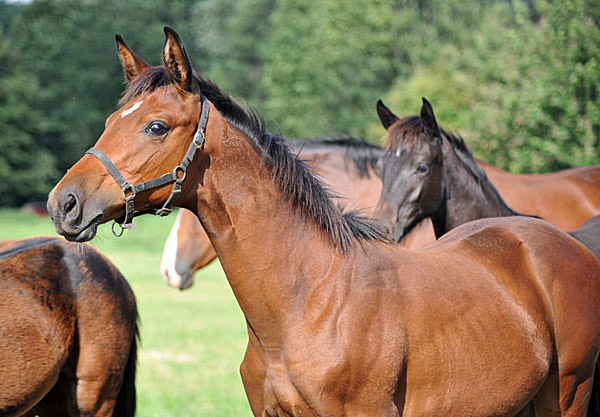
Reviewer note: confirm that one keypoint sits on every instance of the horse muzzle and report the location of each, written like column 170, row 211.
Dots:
column 70, row 217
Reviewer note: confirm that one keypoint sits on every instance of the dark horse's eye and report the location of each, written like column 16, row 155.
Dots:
column 422, row 168
column 156, row 129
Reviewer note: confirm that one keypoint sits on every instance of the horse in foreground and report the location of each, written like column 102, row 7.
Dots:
column 68, row 326
column 500, row 317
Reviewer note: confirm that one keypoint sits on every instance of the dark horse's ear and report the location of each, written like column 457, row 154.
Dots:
column 428, row 119
column 385, row 115
column 177, row 62
column 133, row 65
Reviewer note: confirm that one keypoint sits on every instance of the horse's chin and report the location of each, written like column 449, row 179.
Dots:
column 84, row 234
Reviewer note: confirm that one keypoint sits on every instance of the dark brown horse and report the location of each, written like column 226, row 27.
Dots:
column 413, row 164
column 500, row 317
column 68, row 326
column 430, row 173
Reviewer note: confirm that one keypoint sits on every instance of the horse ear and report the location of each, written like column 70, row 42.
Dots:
column 133, row 65
column 176, row 60
column 385, row 115
column 428, row 119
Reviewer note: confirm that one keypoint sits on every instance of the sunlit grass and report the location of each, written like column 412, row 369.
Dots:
column 192, row 341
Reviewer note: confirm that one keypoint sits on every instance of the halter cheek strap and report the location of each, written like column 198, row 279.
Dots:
column 176, row 176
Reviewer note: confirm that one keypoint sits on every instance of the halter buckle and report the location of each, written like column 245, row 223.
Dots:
column 202, row 138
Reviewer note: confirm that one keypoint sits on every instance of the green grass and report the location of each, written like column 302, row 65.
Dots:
column 192, row 341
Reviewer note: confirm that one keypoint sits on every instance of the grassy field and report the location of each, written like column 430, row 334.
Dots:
column 192, row 341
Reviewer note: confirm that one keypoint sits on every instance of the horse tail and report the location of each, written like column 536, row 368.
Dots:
column 594, row 403
column 126, row 403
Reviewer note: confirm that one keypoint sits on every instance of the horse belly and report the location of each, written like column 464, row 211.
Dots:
column 484, row 388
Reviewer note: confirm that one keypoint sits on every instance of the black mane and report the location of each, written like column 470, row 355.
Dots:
column 357, row 151
column 296, row 180
column 468, row 160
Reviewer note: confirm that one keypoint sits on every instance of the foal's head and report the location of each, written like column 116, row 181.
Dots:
column 411, row 169
column 146, row 137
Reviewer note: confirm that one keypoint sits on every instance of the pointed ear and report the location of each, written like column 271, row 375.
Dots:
column 133, row 65
column 385, row 115
column 428, row 119
column 177, row 62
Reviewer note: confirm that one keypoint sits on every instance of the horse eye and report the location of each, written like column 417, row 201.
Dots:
column 422, row 168
column 156, row 129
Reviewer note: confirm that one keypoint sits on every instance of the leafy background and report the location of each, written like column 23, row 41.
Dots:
column 518, row 79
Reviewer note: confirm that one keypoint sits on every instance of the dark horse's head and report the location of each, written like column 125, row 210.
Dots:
column 411, row 169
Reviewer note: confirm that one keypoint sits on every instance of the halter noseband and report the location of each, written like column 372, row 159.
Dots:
column 130, row 190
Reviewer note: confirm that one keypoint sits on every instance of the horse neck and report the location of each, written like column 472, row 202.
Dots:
column 264, row 244
column 468, row 194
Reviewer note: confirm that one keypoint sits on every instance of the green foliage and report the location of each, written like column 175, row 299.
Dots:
column 26, row 169
column 231, row 32
column 518, row 79
column 524, row 95
column 8, row 13
column 325, row 64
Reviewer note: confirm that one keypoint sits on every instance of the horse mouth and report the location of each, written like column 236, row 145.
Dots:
column 86, row 233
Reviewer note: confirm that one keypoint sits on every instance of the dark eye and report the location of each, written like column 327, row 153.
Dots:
column 422, row 168
column 156, row 128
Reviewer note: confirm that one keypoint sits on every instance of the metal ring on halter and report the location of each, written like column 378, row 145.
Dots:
column 113, row 229
column 199, row 143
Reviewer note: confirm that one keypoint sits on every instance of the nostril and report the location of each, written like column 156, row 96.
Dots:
column 71, row 208
column 69, row 203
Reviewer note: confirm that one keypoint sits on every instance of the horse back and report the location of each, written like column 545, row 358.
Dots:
column 525, row 252
column 565, row 198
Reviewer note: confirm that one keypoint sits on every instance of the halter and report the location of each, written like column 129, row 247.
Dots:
column 130, row 190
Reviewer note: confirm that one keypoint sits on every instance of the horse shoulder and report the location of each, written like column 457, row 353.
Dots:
column 354, row 329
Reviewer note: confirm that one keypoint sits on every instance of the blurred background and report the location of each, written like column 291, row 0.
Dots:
column 518, row 79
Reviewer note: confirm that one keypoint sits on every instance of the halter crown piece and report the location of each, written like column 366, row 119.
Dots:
column 130, row 190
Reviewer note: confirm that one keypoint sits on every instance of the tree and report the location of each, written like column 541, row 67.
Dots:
column 26, row 169
column 524, row 95
column 326, row 63
column 229, row 38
